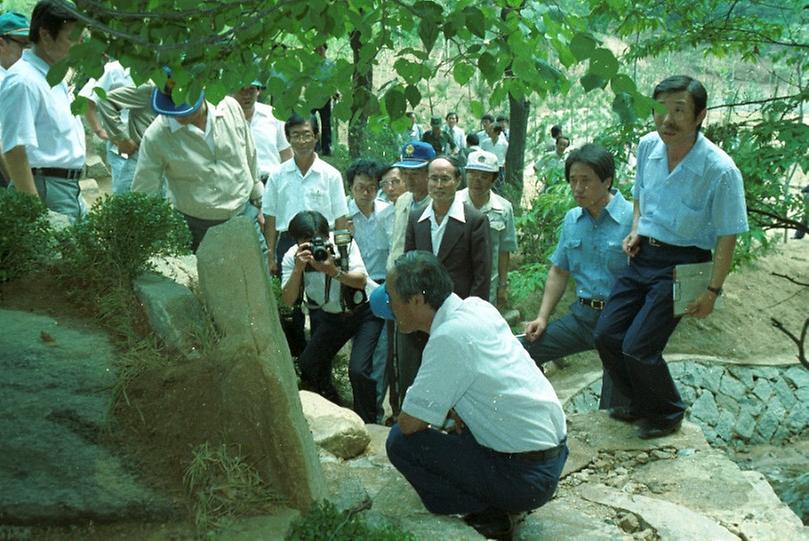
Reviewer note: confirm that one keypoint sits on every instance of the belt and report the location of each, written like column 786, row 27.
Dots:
column 538, row 456
column 595, row 304
column 69, row 174
column 654, row 243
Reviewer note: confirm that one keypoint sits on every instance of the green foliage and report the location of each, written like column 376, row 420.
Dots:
column 26, row 238
column 114, row 244
column 283, row 309
column 224, row 487
column 538, row 232
column 323, row 522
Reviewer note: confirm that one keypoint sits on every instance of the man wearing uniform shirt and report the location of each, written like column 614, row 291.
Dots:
column 481, row 173
column 589, row 249
column 334, row 322
column 43, row 142
column 272, row 147
column 481, row 432
column 689, row 199
column 122, row 165
column 372, row 225
column 13, row 40
column 456, row 131
column 207, row 156
column 126, row 113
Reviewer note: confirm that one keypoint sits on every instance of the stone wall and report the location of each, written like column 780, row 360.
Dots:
column 735, row 405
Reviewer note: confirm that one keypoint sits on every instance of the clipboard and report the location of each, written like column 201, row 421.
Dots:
column 689, row 282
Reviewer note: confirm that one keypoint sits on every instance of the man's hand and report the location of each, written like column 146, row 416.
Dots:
column 101, row 133
column 459, row 424
column 273, row 265
column 535, row 329
column 631, row 244
column 702, row 305
column 127, row 146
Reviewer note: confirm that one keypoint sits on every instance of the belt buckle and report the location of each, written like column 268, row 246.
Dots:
column 597, row 304
column 654, row 242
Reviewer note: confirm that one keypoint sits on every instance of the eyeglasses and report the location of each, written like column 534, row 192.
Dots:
column 389, row 183
column 444, row 179
column 23, row 43
column 364, row 189
column 302, row 137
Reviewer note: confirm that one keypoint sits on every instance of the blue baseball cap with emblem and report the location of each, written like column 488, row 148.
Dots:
column 380, row 303
column 415, row 154
column 13, row 24
column 163, row 104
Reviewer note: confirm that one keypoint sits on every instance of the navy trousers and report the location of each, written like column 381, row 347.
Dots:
column 454, row 474
column 635, row 326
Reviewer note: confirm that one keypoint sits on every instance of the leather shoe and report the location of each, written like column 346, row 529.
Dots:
column 623, row 413
column 648, row 431
column 492, row 524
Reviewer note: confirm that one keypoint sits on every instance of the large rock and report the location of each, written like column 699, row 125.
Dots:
column 338, row 430
column 96, row 168
column 182, row 269
column 174, row 312
column 237, row 292
column 55, row 398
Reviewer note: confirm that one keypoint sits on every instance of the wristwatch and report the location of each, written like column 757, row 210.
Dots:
column 715, row 290
column 338, row 275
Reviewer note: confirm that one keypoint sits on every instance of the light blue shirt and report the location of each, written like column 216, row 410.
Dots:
column 590, row 249
column 373, row 236
column 700, row 200
column 474, row 364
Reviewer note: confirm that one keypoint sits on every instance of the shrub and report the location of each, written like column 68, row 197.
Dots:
column 26, row 239
column 114, row 244
column 324, row 522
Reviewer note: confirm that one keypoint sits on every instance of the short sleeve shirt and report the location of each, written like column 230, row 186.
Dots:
column 590, row 249
column 289, row 192
column 475, row 365
column 268, row 134
column 700, row 200
column 373, row 235
column 37, row 116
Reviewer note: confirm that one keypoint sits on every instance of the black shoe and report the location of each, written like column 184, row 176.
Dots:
column 623, row 413
column 648, row 431
column 492, row 524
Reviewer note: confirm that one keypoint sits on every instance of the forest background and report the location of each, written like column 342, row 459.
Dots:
column 588, row 65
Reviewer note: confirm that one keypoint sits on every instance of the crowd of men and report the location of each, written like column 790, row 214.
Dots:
column 412, row 263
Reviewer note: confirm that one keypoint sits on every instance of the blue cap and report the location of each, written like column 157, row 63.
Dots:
column 380, row 303
column 415, row 154
column 13, row 24
column 162, row 104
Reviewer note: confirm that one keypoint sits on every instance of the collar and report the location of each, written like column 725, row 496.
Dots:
column 495, row 202
column 36, row 61
column 379, row 206
column 615, row 209
column 694, row 160
column 455, row 211
column 450, row 305
column 290, row 166
column 213, row 111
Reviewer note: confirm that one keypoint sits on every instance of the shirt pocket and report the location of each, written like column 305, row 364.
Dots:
column 497, row 223
column 616, row 260
column 575, row 255
column 318, row 199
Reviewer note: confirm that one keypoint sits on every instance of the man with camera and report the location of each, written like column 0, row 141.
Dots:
column 337, row 288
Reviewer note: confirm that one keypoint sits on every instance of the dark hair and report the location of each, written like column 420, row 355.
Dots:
column 419, row 272
column 297, row 120
column 409, row 114
column 598, row 158
column 501, row 118
column 306, row 224
column 556, row 131
column 369, row 168
column 50, row 16
column 678, row 83
column 497, row 128
column 472, row 139
column 384, row 170
column 488, row 117
column 565, row 137
column 451, row 113
column 453, row 161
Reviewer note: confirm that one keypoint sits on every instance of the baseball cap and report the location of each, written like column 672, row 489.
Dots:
column 435, row 121
column 380, row 303
column 415, row 154
column 162, row 103
column 480, row 160
column 13, row 24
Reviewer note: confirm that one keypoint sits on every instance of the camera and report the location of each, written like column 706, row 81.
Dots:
column 320, row 248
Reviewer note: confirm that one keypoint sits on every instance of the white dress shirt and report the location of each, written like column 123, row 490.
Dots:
column 437, row 230
column 269, row 137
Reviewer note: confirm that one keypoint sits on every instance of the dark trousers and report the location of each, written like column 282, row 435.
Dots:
column 200, row 226
column 635, row 326
column 294, row 328
column 330, row 332
column 453, row 473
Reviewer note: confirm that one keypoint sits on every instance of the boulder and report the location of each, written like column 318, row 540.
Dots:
column 174, row 312
column 337, row 430
column 58, row 221
column 236, row 290
column 182, row 269
column 96, row 168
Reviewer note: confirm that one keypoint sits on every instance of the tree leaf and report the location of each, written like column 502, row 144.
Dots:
column 603, row 63
column 57, row 73
column 622, row 83
column 623, row 104
column 395, row 104
column 428, row 32
column 477, row 108
column 462, row 73
column 591, row 81
column 475, row 21
column 413, row 95
column 487, row 64
column 582, row 46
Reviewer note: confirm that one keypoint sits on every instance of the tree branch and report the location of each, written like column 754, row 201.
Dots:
column 781, row 220
column 791, row 279
column 755, row 102
column 798, row 341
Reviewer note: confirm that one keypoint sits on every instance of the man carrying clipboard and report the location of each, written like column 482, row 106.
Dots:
column 688, row 200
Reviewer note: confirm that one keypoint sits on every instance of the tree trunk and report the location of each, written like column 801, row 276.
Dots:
column 363, row 82
column 515, row 157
